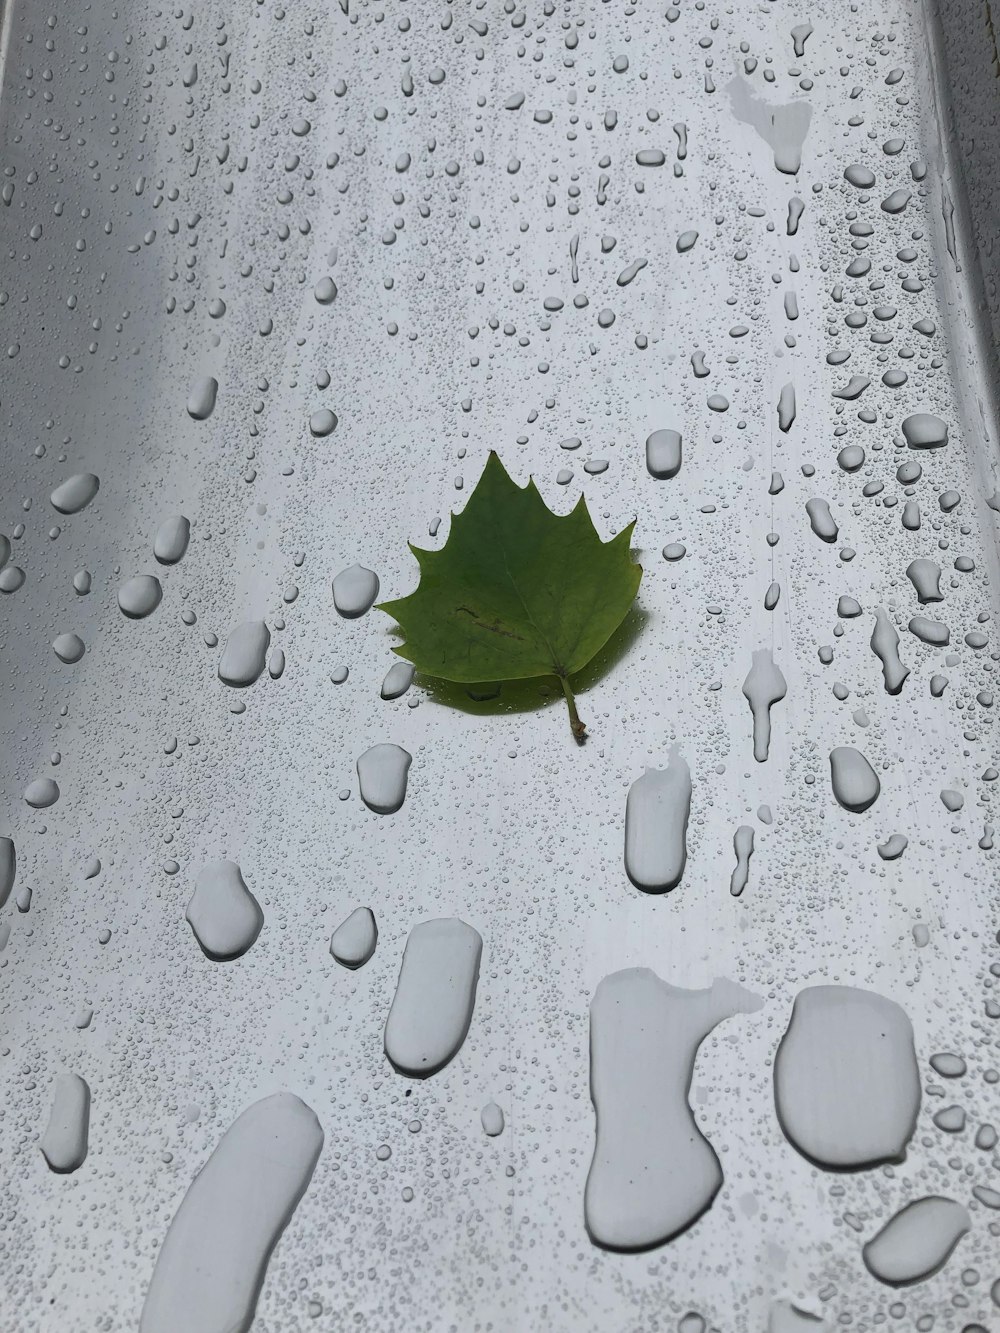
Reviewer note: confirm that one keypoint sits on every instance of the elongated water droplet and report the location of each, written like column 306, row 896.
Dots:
column 764, row 686
column 786, row 407
column 8, row 868
column 213, row 1260
column 139, row 596
column 75, row 493
column 64, row 1143
column 656, row 818
column 435, row 996
column 917, row 1242
column 201, row 400
column 245, row 654
column 171, row 540
column 743, row 847
column 885, row 646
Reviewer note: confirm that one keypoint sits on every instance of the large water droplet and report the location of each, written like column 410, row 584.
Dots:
column 225, row 916
column 245, row 654
column 213, row 1260
column 354, row 940
column 435, row 996
column 656, row 818
column 201, row 401
column 64, row 1143
column 917, row 1242
column 171, row 540
column 139, row 596
column 653, row 1171
column 75, row 493
column 354, row 591
column 382, row 774
column 846, row 1082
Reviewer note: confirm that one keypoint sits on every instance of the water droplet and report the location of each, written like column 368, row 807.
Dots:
column 854, row 781
column 491, row 1118
column 64, row 1143
column 245, row 654
column 846, row 1083
column 41, row 793
column 213, row 1260
column 653, row 1172
column 916, row 1242
column 398, row 680
column 225, row 916
column 140, row 596
column 435, row 996
column 354, row 591
column 923, row 430
column 171, row 540
column 354, row 940
column 382, row 773
column 656, row 818
column 201, row 401
column 663, row 453
column 68, row 648
column 75, row 493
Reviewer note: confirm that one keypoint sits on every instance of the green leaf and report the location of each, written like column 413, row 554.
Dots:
column 516, row 591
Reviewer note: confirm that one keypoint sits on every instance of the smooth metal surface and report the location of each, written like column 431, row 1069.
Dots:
column 137, row 194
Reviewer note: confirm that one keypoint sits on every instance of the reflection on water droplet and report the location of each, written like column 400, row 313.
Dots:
column 653, row 1172
column 846, row 1083
column 435, row 996
column 213, row 1260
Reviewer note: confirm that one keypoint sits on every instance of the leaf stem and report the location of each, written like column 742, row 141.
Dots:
column 578, row 728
